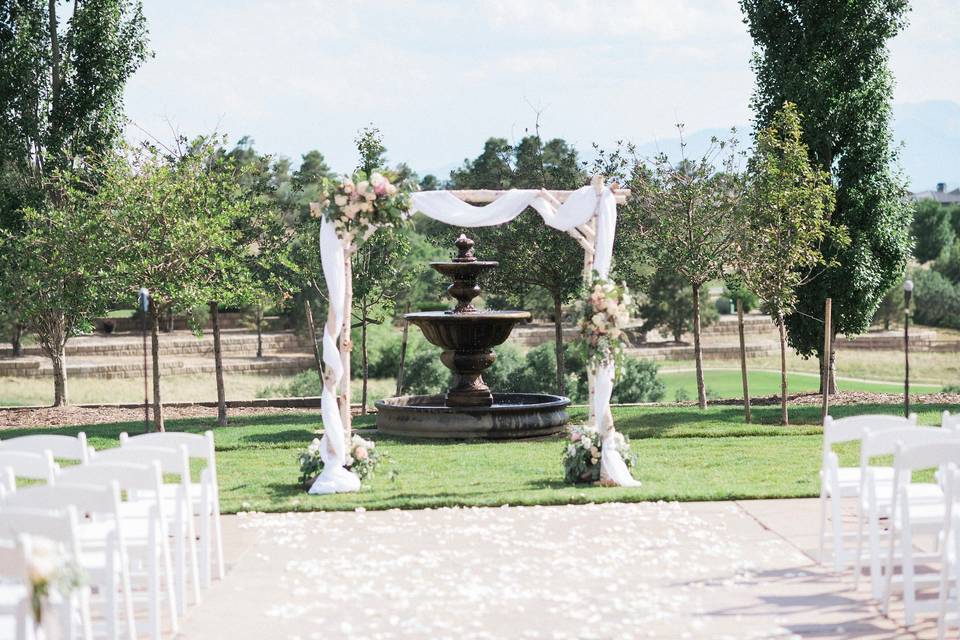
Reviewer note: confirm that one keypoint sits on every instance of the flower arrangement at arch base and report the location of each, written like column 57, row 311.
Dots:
column 604, row 317
column 363, row 458
column 581, row 457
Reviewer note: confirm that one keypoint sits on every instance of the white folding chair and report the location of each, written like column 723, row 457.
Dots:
column 59, row 528
column 204, row 497
column 8, row 482
column 15, row 616
column 145, row 529
column 950, row 549
column 911, row 518
column 172, row 461
column 30, row 466
column 876, row 488
column 62, row 447
column 103, row 548
column 838, row 482
column 951, row 422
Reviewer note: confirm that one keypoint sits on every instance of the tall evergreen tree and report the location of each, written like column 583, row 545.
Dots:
column 830, row 58
column 61, row 96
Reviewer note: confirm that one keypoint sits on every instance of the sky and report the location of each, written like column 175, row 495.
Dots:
column 439, row 77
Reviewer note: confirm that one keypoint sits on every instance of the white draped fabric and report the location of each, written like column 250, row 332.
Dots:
column 578, row 209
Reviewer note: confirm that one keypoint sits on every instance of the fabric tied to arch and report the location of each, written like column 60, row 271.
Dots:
column 580, row 206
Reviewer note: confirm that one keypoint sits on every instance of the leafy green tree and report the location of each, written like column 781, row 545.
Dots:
column 64, row 265
column 668, row 305
column 174, row 219
column 531, row 254
column 61, row 96
column 890, row 309
column 948, row 264
column 786, row 218
column 689, row 212
column 831, row 60
column 931, row 229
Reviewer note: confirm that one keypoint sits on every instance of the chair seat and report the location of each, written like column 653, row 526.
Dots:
column 849, row 479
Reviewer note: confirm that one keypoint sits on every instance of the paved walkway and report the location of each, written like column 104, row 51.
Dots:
column 696, row 570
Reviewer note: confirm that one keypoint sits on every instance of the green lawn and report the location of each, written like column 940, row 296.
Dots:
column 684, row 454
column 726, row 384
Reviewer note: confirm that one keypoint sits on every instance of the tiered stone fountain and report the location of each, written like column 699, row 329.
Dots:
column 467, row 336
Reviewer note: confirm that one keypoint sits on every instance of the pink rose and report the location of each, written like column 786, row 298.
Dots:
column 360, row 453
column 575, row 436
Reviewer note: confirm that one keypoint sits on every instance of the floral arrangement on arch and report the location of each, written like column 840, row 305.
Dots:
column 362, row 458
column 581, row 457
column 604, row 318
column 357, row 205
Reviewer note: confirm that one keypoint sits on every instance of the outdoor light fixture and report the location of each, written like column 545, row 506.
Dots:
column 144, row 299
column 907, row 294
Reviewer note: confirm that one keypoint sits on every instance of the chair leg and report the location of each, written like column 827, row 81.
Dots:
column 110, row 599
column 838, row 550
column 205, row 546
column 218, row 533
column 875, row 571
column 909, row 596
column 858, row 560
column 823, row 518
column 153, row 595
column 127, row 597
column 169, row 584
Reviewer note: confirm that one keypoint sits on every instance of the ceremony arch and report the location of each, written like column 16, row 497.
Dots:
column 588, row 214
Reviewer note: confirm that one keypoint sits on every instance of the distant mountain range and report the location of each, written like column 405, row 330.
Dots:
column 929, row 133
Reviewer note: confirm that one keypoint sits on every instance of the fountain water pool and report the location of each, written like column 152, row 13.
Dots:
column 467, row 336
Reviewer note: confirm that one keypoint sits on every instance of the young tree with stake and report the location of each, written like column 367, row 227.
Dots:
column 786, row 218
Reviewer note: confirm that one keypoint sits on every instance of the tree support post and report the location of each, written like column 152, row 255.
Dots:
column 743, row 362
column 827, row 357
column 346, row 345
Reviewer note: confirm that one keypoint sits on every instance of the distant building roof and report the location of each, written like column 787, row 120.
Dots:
column 941, row 195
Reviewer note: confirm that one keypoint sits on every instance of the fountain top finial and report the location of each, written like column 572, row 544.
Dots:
column 464, row 249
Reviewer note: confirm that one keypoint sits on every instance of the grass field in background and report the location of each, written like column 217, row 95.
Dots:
column 684, row 454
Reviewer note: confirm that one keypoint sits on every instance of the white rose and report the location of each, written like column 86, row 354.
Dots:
column 340, row 199
column 362, row 186
column 350, row 211
column 599, row 320
column 377, row 178
column 391, row 190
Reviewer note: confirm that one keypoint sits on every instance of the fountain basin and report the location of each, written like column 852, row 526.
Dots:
column 511, row 416
column 477, row 331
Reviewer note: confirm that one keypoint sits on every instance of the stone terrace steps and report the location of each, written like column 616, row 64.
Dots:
column 132, row 367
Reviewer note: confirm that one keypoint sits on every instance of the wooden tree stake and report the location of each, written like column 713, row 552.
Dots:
column 825, row 374
column 743, row 362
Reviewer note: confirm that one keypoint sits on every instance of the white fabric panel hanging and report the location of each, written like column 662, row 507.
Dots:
column 580, row 206
column 334, row 478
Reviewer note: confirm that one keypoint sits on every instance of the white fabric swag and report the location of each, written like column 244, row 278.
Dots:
column 578, row 209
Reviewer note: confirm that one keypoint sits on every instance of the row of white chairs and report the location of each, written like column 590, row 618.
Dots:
column 117, row 519
column 893, row 510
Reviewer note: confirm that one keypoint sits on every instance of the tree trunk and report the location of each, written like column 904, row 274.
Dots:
column 155, row 352
column 743, row 362
column 58, row 358
column 365, row 363
column 54, row 57
column 558, row 336
column 312, row 330
column 259, row 320
column 697, row 350
column 218, row 365
column 784, row 417
column 16, row 340
column 346, row 345
column 170, row 321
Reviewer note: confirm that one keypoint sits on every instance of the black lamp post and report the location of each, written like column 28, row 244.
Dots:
column 144, row 307
column 907, row 293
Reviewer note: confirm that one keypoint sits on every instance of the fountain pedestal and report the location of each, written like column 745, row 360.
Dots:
column 467, row 336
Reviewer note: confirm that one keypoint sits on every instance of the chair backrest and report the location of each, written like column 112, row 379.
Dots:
column 853, row 428
column 198, row 446
column 65, row 447
column 57, row 526
column 884, row 442
column 33, row 466
column 13, row 560
column 87, row 498
column 950, row 421
column 143, row 476
column 171, row 460
column 908, row 458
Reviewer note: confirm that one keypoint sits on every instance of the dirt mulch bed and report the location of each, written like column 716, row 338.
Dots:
column 32, row 417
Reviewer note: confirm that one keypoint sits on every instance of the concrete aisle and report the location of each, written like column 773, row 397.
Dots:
column 667, row 570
